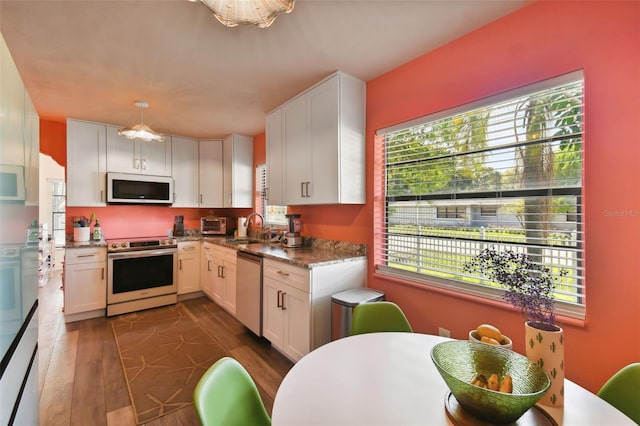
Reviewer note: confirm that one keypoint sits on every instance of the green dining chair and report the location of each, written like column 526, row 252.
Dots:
column 226, row 395
column 622, row 391
column 374, row 317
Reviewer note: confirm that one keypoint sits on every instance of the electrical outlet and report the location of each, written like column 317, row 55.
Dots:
column 443, row 332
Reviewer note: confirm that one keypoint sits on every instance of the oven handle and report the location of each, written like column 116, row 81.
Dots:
column 142, row 253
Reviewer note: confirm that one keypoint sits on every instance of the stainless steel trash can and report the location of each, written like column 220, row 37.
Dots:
column 342, row 305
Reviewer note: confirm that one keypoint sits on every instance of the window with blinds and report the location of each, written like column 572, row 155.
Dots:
column 504, row 172
column 273, row 215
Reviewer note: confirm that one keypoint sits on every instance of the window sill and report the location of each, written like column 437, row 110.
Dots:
column 493, row 301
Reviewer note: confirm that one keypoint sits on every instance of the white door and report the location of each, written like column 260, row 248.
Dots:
column 298, row 157
column 211, row 173
column 297, row 322
column 184, row 158
column 85, row 287
column 272, row 314
column 86, row 164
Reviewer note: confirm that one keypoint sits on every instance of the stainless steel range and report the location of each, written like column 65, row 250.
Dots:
column 142, row 273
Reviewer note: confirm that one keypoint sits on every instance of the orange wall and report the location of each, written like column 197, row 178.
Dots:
column 540, row 41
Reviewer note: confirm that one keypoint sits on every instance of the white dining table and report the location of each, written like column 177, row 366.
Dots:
column 390, row 379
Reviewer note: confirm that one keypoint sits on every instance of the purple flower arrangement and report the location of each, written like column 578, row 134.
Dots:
column 529, row 286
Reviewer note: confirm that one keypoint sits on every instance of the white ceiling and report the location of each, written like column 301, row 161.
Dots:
column 92, row 59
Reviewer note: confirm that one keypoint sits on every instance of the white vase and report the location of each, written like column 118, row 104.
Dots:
column 81, row 233
column 546, row 348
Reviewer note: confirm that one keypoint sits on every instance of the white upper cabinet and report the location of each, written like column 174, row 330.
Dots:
column 86, row 163
column 11, row 111
column 211, row 173
column 322, row 138
column 184, row 159
column 31, row 151
column 275, row 158
column 137, row 156
column 238, row 171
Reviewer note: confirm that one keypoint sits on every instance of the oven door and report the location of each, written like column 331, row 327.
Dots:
column 141, row 274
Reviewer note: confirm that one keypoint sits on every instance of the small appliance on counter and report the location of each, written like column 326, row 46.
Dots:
column 178, row 226
column 292, row 237
column 211, row 225
column 242, row 227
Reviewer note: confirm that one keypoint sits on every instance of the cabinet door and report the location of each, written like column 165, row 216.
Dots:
column 211, row 173
column 297, row 155
column 31, row 152
column 297, row 323
column 189, row 272
column 136, row 156
column 122, row 154
column 272, row 313
column 218, row 280
column 85, row 287
column 323, row 137
column 86, row 164
column 11, row 110
column 230, row 273
column 275, row 157
column 155, row 157
column 238, row 171
column 208, row 273
column 184, row 158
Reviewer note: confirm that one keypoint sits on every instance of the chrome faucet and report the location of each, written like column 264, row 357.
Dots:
column 246, row 222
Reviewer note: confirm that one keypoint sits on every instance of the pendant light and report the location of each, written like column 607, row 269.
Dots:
column 261, row 13
column 141, row 131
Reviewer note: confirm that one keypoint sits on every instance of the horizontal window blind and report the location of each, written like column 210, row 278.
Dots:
column 505, row 174
column 273, row 215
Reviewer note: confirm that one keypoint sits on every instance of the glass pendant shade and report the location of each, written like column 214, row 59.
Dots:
column 261, row 13
column 141, row 131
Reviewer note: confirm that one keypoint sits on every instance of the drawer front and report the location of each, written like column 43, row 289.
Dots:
column 293, row 276
column 191, row 247
column 75, row 256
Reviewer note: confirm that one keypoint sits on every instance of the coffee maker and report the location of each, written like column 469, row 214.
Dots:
column 178, row 226
column 292, row 237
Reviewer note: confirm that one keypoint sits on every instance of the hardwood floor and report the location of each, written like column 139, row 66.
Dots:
column 81, row 378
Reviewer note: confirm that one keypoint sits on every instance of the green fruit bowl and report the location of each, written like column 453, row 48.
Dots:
column 459, row 361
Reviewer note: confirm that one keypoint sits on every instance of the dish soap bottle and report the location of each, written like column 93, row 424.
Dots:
column 97, row 232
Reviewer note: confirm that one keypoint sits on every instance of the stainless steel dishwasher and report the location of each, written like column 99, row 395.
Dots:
column 249, row 291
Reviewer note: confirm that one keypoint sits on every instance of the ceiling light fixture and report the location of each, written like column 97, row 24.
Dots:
column 141, row 131
column 261, row 13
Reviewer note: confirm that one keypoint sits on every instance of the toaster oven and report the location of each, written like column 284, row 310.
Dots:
column 213, row 225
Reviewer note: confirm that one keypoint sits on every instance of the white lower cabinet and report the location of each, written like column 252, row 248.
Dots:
column 85, row 282
column 219, row 276
column 188, row 267
column 297, row 302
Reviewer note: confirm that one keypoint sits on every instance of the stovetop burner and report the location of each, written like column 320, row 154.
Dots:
column 142, row 243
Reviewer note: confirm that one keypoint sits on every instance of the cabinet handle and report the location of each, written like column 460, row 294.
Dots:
column 302, row 189
column 180, row 264
column 200, row 198
column 307, row 189
column 136, row 163
column 221, row 271
column 174, row 197
column 286, row 274
column 209, row 265
column 102, row 274
column 85, row 255
column 101, row 196
column 230, row 199
column 284, row 308
column 144, row 164
column 279, row 304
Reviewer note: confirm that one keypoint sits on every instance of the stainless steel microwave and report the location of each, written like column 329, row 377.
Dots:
column 213, row 225
column 12, row 186
column 124, row 188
